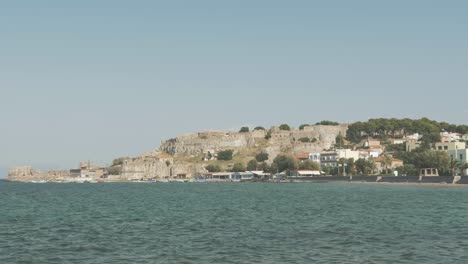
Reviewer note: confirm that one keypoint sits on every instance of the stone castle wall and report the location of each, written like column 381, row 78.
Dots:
column 280, row 141
column 29, row 174
column 143, row 168
column 205, row 142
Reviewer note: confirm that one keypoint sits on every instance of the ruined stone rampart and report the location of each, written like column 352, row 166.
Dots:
column 145, row 168
column 29, row 174
column 205, row 142
column 280, row 140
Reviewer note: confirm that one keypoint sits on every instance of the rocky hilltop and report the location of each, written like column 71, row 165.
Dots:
column 274, row 141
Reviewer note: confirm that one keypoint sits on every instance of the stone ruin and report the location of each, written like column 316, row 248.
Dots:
column 280, row 140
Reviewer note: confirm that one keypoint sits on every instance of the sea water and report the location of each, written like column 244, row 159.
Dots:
column 232, row 223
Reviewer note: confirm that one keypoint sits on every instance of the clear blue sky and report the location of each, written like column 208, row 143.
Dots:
column 93, row 80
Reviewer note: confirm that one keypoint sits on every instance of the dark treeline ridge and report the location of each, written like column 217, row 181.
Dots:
column 393, row 127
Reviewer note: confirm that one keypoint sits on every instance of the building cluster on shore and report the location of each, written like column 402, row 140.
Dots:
column 372, row 149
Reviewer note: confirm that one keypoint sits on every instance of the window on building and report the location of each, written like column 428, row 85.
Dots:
column 440, row 147
column 445, row 147
column 461, row 156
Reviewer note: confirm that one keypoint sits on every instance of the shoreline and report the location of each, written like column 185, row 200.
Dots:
column 419, row 184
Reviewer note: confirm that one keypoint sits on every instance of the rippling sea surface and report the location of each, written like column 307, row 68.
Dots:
column 232, row 223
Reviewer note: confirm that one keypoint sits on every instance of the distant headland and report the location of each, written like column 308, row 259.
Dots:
column 377, row 147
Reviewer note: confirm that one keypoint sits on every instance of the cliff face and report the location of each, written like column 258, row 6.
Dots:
column 280, row 141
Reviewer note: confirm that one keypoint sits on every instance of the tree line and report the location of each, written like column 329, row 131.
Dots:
column 393, row 127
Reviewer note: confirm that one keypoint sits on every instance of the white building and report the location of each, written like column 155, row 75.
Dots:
column 449, row 137
column 370, row 153
column 397, row 141
column 305, row 173
column 414, row 137
column 347, row 154
column 315, row 157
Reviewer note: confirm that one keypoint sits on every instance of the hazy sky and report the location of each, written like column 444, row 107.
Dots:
column 95, row 79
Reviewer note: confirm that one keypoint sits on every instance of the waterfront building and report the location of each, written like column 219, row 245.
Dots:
column 242, row 176
column 219, row 176
column 305, row 173
column 315, row 157
column 88, row 170
column 249, row 175
column 328, row 159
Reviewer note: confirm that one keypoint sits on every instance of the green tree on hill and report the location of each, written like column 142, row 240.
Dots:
column 284, row 127
column 225, row 154
column 263, row 167
column 340, row 142
column 383, row 127
column 119, row 161
column 428, row 140
column 284, row 163
column 328, row 123
column 262, row 156
column 252, row 165
column 238, row 167
column 213, row 168
column 117, row 170
column 244, row 130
